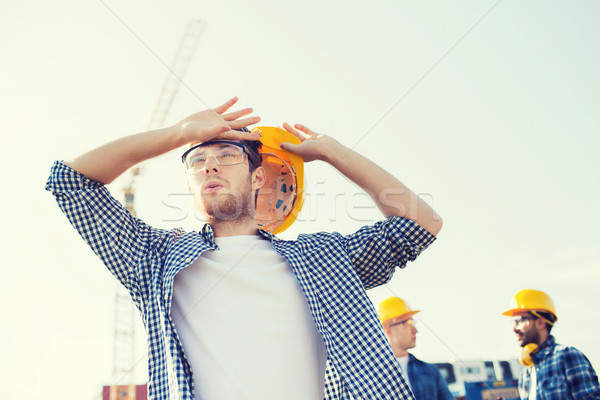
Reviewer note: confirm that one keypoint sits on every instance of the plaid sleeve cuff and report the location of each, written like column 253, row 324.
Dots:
column 64, row 179
column 419, row 237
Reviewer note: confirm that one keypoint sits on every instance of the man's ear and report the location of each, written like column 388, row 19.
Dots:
column 259, row 178
column 540, row 324
column 386, row 329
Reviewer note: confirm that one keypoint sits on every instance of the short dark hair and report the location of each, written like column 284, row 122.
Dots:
column 253, row 147
column 546, row 316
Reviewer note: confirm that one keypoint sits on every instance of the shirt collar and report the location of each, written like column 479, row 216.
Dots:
column 209, row 235
column 267, row 234
column 544, row 350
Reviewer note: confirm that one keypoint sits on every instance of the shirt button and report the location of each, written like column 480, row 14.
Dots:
column 166, row 297
column 188, row 260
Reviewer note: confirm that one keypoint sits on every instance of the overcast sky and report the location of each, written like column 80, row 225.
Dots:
column 488, row 109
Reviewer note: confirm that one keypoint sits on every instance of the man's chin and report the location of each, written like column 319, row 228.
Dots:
column 225, row 211
column 524, row 343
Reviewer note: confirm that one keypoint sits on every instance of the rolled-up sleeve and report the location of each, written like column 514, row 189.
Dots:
column 377, row 250
column 119, row 239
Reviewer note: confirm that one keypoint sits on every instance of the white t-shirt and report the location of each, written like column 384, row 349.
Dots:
column 245, row 325
column 404, row 367
column 533, row 384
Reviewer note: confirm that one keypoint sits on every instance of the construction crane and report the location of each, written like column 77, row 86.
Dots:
column 123, row 387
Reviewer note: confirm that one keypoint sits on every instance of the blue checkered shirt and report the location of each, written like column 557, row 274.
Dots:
column 562, row 373
column 333, row 272
column 426, row 381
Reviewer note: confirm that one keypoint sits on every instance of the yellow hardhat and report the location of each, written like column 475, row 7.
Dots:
column 531, row 300
column 394, row 307
column 280, row 200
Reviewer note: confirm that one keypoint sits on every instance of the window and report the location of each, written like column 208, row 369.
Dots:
column 506, row 371
column 447, row 372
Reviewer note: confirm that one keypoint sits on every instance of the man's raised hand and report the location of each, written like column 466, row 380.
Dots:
column 313, row 146
column 216, row 123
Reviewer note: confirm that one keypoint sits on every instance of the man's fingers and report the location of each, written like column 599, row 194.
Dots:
column 293, row 131
column 289, row 147
column 242, row 123
column 304, row 129
column 237, row 135
column 225, row 106
column 236, row 114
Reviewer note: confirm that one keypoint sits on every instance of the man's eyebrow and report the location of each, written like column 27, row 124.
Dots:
column 227, row 145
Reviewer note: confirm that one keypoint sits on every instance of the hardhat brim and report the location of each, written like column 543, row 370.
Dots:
column 404, row 316
column 513, row 311
column 280, row 200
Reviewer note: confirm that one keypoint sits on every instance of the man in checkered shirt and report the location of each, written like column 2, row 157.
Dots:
column 553, row 371
column 232, row 311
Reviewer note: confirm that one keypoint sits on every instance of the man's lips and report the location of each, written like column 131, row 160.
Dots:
column 519, row 336
column 212, row 186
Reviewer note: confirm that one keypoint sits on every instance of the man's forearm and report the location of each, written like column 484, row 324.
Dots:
column 107, row 162
column 390, row 195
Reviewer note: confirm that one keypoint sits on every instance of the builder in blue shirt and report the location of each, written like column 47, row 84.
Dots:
column 553, row 371
column 425, row 380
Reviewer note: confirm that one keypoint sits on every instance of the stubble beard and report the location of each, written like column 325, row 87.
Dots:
column 532, row 336
column 229, row 207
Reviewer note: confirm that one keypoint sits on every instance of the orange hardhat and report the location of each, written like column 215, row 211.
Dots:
column 531, row 300
column 280, row 200
column 394, row 307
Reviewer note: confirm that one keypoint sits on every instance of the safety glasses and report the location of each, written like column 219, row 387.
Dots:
column 225, row 153
column 407, row 322
column 518, row 320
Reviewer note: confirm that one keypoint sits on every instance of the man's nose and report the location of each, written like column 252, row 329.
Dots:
column 211, row 165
